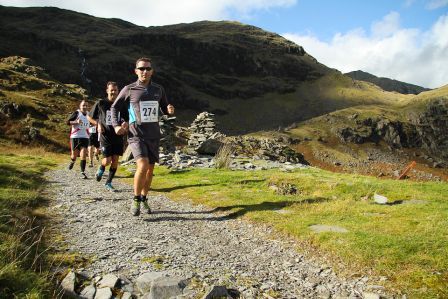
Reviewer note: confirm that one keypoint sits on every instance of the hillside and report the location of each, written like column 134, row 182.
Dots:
column 253, row 80
column 250, row 78
column 381, row 139
column 386, row 83
column 34, row 106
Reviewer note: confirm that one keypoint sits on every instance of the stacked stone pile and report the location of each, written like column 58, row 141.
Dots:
column 168, row 130
column 203, row 137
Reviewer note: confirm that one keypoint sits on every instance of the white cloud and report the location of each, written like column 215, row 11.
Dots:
column 404, row 54
column 160, row 12
column 435, row 4
column 387, row 26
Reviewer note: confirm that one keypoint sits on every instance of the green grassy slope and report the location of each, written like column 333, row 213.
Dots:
column 44, row 103
column 404, row 242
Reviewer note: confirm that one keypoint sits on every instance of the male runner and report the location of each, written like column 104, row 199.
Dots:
column 143, row 99
column 111, row 143
column 79, row 136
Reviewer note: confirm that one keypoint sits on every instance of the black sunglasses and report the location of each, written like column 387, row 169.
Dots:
column 143, row 68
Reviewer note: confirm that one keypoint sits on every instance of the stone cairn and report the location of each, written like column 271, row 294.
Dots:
column 202, row 130
column 168, row 130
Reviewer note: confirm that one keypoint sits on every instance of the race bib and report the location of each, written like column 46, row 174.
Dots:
column 149, row 111
column 108, row 118
column 92, row 130
column 84, row 124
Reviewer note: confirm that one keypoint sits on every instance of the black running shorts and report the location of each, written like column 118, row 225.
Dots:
column 94, row 140
column 79, row 143
column 110, row 150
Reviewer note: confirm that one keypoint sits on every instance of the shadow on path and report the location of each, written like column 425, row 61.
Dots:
column 240, row 210
column 179, row 187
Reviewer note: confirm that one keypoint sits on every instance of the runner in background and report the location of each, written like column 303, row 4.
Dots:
column 79, row 136
column 111, row 143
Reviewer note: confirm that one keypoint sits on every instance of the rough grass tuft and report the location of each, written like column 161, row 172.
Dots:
column 223, row 157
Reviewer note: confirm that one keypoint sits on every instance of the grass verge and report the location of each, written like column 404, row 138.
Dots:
column 405, row 243
column 23, row 255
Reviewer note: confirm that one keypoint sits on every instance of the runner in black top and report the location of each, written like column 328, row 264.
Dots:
column 79, row 136
column 111, row 143
column 143, row 99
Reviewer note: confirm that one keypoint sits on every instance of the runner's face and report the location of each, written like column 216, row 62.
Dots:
column 83, row 106
column 112, row 92
column 144, row 71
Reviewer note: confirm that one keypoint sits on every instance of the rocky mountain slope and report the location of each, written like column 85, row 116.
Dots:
column 380, row 139
column 34, row 106
column 386, row 83
column 250, row 78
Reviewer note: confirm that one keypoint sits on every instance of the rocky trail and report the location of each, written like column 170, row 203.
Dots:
column 180, row 250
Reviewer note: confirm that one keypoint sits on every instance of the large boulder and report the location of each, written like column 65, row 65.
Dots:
column 209, row 147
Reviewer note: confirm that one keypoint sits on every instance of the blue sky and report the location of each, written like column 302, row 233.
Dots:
column 405, row 40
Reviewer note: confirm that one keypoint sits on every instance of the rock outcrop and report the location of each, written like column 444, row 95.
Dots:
column 427, row 130
column 431, row 128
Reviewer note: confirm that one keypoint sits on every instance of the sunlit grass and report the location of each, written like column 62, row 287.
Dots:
column 407, row 243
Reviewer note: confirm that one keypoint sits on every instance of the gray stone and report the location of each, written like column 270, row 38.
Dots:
column 380, row 199
column 166, row 287
column 209, row 147
column 68, row 283
column 320, row 228
column 126, row 295
column 368, row 295
column 108, row 281
column 145, row 280
column 215, row 292
column 88, row 292
column 104, row 293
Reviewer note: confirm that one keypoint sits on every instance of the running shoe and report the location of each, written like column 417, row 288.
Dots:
column 83, row 175
column 146, row 207
column 109, row 187
column 135, row 207
column 70, row 166
column 99, row 174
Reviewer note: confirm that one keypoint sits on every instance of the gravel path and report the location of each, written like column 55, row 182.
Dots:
column 185, row 240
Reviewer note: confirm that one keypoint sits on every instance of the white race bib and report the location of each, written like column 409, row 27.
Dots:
column 92, row 130
column 108, row 118
column 84, row 124
column 149, row 111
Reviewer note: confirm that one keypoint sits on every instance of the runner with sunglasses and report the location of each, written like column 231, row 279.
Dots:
column 144, row 100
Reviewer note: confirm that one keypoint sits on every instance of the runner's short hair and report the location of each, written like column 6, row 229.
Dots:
column 145, row 59
column 111, row 83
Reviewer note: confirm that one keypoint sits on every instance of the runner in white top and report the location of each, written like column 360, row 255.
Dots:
column 79, row 136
